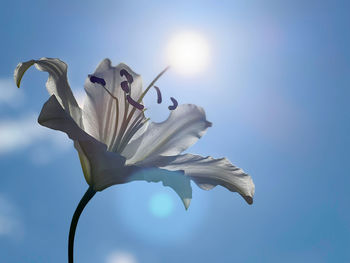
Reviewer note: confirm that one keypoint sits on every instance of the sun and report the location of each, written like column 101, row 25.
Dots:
column 188, row 53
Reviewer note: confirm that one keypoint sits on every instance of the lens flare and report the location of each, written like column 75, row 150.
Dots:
column 161, row 205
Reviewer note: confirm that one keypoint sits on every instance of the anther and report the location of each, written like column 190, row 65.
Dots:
column 174, row 106
column 128, row 76
column 134, row 103
column 159, row 95
column 125, row 86
column 95, row 79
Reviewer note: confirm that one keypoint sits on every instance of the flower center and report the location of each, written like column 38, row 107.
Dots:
column 129, row 125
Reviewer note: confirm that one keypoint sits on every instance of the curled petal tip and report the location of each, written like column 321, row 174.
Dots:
column 186, row 202
column 20, row 70
column 248, row 199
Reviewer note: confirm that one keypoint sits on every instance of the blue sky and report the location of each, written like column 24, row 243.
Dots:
column 277, row 93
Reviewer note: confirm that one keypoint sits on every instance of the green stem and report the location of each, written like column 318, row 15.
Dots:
column 83, row 202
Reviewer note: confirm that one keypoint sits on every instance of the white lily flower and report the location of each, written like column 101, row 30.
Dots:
column 116, row 143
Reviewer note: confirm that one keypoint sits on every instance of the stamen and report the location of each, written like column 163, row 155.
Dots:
column 128, row 76
column 159, row 95
column 95, row 79
column 125, row 86
column 107, row 121
column 173, row 107
column 114, row 136
column 121, row 130
column 143, row 94
column 132, row 129
column 152, row 83
column 132, row 133
column 134, row 103
column 102, row 82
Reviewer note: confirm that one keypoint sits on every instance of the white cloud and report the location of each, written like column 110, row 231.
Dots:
column 10, row 95
column 19, row 134
column 121, row 257
column 10, row 224
column 25, row 132
column 7, row 225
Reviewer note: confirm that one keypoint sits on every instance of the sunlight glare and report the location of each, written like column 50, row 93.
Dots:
column 188, row 53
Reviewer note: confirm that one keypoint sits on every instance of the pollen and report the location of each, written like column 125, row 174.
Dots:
column 125, row 86
column 95, row 79
column 174, row 106
column 128, row 76
column 159, row 95
column 134, row 103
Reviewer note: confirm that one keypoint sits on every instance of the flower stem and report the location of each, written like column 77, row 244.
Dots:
column 83, row 202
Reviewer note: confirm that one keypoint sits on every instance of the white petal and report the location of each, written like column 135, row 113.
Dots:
column 208, row 172
column 183, row 128
column 20, row 70
column 103, row 116
column 102, row 164
column 57, row 83
column 179, row 182
column 108, row 168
